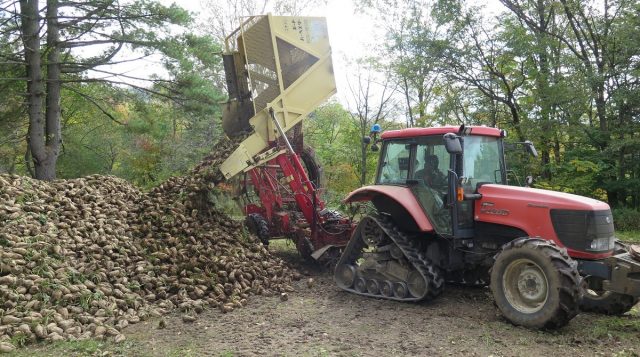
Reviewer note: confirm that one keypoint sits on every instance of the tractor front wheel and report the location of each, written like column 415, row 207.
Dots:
column 535, row 284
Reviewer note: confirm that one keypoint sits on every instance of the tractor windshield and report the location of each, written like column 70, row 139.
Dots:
column 483, row 160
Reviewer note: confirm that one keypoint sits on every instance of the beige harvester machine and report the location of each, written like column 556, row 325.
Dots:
column 278, row 70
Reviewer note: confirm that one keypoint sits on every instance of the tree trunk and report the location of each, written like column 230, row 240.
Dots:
column 44, row 123
column 47, row 171
column 406, row 96
column 601, row 104
column 363, row 163
column 515, row 116
column 542, row 84
column 35, row 87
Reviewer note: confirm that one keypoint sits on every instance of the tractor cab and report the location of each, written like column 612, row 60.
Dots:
column 443, row 183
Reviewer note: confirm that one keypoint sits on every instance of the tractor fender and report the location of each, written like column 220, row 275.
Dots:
column 398, row 201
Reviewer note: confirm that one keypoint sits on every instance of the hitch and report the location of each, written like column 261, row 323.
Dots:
column 620, row 273
column 624, row 275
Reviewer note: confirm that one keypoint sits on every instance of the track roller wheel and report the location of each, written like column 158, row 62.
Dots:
column 386, row 288
column 373, row 287
column 417, row 285
column 400, row 290
column 360, row 285
column 345, row 275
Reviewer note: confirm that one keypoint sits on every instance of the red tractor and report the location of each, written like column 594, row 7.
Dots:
column 444, row 213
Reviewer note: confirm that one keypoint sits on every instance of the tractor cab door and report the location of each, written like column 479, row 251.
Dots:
column 423, row 164
column 429, row 181
column 482, row 162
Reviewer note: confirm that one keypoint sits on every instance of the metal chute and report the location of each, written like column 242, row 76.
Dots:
column 273, row 62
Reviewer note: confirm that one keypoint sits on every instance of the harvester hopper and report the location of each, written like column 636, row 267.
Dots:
column 273, row 62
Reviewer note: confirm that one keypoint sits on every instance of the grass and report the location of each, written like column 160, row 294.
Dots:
column 621, row 327
column 185, row 351
column 285, row 249
column 629, row 236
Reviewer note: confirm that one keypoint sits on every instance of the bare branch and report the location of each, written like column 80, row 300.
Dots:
column 94, row 102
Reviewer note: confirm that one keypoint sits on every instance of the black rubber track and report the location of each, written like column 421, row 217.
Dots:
column 553, row 315
column 408, row 244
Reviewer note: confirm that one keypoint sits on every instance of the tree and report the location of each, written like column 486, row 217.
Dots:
column 222, row 17
column 12, row 112
column 329, row 130
column 411, row 33
column 371, row 101
column 65, row 44
column 539, row 17
column 479, row 58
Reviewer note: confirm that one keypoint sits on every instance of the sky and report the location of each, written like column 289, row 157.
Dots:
column 352, row 35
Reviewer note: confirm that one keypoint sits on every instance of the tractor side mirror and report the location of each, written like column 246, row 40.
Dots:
column 452, row 143
column 528, row 145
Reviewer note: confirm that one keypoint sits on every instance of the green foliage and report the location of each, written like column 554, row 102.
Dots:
column 575, row 95
column 142, row 132
column 12, row 114
column 629, row 236
column 331, row 133
column 627, row 219
column 147, row 133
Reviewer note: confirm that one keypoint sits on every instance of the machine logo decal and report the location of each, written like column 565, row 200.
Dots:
column 608, row 219
column 495, row 211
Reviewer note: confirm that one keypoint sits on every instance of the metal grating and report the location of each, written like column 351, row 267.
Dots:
column 293, row 61
column 261, row 62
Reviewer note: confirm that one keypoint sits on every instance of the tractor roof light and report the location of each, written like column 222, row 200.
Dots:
column 376, row 129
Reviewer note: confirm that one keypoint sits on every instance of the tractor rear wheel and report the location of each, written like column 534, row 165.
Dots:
column 258, row 226
column 535, row 284
column 597, row 300
column 312, row 166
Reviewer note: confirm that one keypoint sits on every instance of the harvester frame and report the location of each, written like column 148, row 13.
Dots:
column 279, row 69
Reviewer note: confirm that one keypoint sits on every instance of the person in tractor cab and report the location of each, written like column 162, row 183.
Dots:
column 431, row 175
column 434, row 185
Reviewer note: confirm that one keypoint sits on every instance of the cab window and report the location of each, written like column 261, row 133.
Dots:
column 394, row 168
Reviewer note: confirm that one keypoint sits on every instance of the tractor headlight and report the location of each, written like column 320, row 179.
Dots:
column 602, row 244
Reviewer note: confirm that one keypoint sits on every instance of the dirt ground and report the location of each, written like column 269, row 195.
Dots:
column 322, row 320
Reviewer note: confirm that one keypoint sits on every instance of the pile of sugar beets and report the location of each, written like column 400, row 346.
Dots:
column 84, row 258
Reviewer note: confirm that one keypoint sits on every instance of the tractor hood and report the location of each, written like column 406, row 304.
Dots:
column 533, row 197
column 534, row 211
